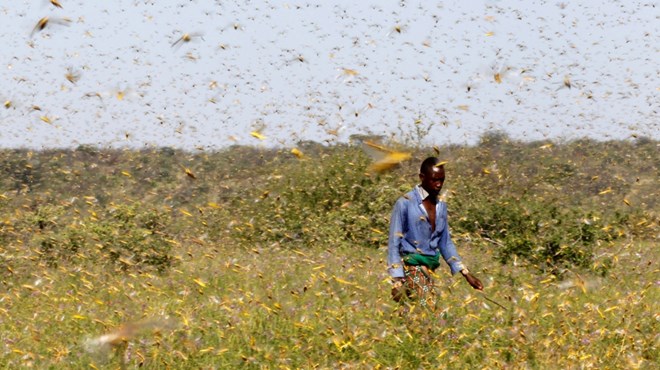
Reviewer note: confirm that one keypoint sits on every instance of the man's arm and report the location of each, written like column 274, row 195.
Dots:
column 397, row 223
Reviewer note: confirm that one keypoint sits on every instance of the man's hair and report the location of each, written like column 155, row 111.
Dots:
column 428, row 164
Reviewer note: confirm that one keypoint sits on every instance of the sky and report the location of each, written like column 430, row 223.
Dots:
column 274, row 73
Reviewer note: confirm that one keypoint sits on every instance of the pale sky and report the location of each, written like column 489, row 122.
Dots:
column 324, row 70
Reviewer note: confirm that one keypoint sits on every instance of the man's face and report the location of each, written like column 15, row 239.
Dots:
column 432, row 180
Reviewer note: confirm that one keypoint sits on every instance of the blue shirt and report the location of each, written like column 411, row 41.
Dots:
column 410, row 232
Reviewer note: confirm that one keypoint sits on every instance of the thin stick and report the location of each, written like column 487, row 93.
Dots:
column 492, row 301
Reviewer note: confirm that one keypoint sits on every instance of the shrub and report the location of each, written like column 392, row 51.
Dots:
column 125, row 236
column 546, row 235
column 132, row 237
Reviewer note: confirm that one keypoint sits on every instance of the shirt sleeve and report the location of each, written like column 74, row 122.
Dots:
column 397, row 221
column 448, row 249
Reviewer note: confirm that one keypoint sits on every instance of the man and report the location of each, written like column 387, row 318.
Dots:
column 419, row 234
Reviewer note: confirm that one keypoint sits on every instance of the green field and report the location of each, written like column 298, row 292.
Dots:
column 255, row 258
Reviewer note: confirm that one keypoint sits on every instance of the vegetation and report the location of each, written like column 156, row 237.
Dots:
column 261, row 258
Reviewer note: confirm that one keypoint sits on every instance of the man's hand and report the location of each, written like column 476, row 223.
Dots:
column 398, row 290
column 472, row 280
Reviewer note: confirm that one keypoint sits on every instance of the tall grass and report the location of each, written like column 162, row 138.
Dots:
column 274, row 308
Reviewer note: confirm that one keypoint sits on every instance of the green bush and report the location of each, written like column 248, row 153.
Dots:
column 134, row 238
column 545, row 234
column 126, row 236
column 332, row 200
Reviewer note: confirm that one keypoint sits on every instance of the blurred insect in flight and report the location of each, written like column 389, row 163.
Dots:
column 297, row 153
column 384, row 158
column 258, row 135
column 189, row 173
column 347, row 74
column 233, row 26
column 118, row 338
column 568, row 83
column 186, row 37
column 499, row 72
column 397, row 29
column 72, row 76
column 122, row 94
column 45, row 21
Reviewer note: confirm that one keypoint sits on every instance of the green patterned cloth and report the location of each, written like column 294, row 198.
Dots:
column 432, row 262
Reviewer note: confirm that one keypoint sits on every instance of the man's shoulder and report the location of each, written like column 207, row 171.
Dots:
column 407, row 197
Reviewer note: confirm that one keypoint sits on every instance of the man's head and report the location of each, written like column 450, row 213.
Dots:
column 432, row 175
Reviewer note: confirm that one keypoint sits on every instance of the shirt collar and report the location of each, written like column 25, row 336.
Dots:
column 423, row 194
